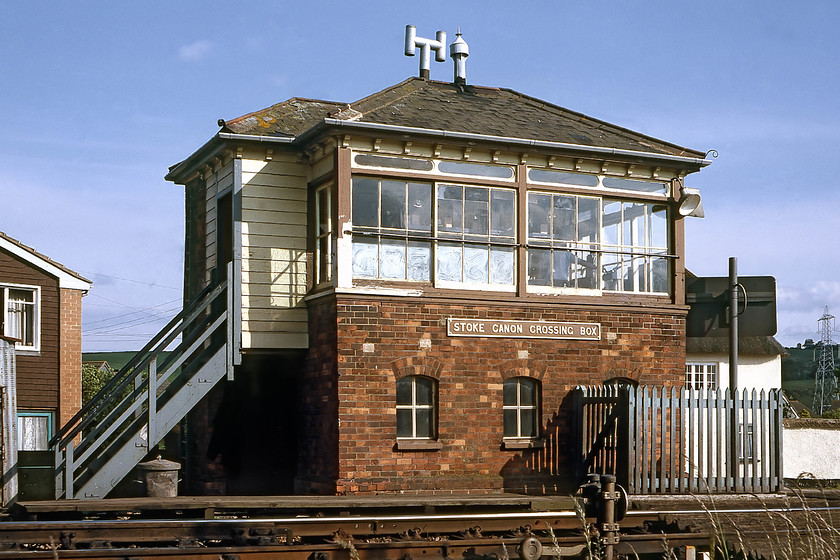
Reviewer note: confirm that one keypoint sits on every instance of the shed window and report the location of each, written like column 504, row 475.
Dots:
column 20, row 315
column 416, row 398
column 521, row 408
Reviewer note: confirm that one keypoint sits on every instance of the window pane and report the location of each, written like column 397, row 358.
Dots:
column 634, row 218
column 563, row 177
column 424, row 391
column 501, row 265
column 392, row 259
column 502, row 213
column 539, row 267
column 586, row 270
column 475, row 264
column 477, row 169
column 588, row 215
column 365, row 257
column 449, row 207
column 404, row 391
column 527, row 392
column 611, row 223
column 398, row 163
column 563, row 261
column 510, row 429
column 33, row 432
column 660, row 275
column 365, row 202
column 509, row 392
column 419, row 260
column 448, row 262
column 564, row 218
column 527, row 423
column 323, row 197
column 476, row 211
column 404, row 422
column 393, row 205
column 21, row 315
column 659, row 227
column 420, row 207
column 634, row 185
column 611, row 274
column 539, row 215
column 424, row 422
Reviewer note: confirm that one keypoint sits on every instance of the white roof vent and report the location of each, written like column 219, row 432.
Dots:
column 459, row 51
column 438, row 45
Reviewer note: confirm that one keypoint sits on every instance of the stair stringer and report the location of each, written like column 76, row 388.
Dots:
column 136, row 448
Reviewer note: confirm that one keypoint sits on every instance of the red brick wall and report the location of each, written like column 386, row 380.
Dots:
column 70, row 355
column 645, row 344
column 318, row 431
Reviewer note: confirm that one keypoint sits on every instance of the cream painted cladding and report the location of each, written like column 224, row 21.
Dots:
column 274, row 258
column 273, row 211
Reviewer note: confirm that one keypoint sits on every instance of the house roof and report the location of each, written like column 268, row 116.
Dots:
column 747, row 345
column 66, row 277
column 443, row 106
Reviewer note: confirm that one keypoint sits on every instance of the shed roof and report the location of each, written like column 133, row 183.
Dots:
column 66, row 277
column 434, row 105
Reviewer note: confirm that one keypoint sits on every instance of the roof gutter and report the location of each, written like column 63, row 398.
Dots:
column 701, row 162
column 179, row 169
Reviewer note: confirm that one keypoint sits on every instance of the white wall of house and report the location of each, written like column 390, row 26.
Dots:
column 810, row 448
column 758, row 372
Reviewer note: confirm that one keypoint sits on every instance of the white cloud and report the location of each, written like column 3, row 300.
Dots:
column 195, row 51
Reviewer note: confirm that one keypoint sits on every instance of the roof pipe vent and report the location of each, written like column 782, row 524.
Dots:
column 459, row 51
column 438, row 45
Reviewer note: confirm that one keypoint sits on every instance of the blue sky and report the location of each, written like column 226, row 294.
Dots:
column 98, row 99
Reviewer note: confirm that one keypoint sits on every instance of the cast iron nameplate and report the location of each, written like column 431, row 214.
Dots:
column 522, row 329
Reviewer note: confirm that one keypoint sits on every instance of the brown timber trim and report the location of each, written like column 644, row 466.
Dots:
column 679, row 262
column 521, row 230
column 521, row 179
column 343, row 180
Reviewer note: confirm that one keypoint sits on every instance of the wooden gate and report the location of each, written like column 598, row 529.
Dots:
column 659, row 440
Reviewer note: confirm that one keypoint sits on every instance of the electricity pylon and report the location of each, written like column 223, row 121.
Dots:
column 826, row 383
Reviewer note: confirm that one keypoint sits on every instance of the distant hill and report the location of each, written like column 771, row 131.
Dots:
column 799, row 371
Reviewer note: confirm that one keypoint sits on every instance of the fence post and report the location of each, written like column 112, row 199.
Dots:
column 151, row 436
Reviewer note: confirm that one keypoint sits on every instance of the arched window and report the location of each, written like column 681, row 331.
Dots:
column 521, row 408
column 416, row 404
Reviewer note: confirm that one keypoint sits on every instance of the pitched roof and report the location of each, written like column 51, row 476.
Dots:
column 66, row 277
column 434, row 105
column 747, row 345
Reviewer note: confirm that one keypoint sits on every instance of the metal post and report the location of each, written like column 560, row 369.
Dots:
column 733, row 323
column 606, row 516
column 733, row 372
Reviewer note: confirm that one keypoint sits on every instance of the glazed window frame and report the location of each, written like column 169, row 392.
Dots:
column 435, row 166
column 21, row 317
column 521, row 412
column 587, row 244
column 324, row 234
column 701, row 376
column 438, row 232
column 34, row 430
column 416, row 408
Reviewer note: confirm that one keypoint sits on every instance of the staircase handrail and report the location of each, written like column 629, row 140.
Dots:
column 151, row 350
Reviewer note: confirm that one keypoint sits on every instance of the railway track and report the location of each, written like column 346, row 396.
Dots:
column 527, row 536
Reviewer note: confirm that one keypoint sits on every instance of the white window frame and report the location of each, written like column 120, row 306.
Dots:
column 435, row 239
column 697, row 375
column 324, row 239
column 518, row 407
column 36, row 305
column 413, row 407
column 46, row 415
